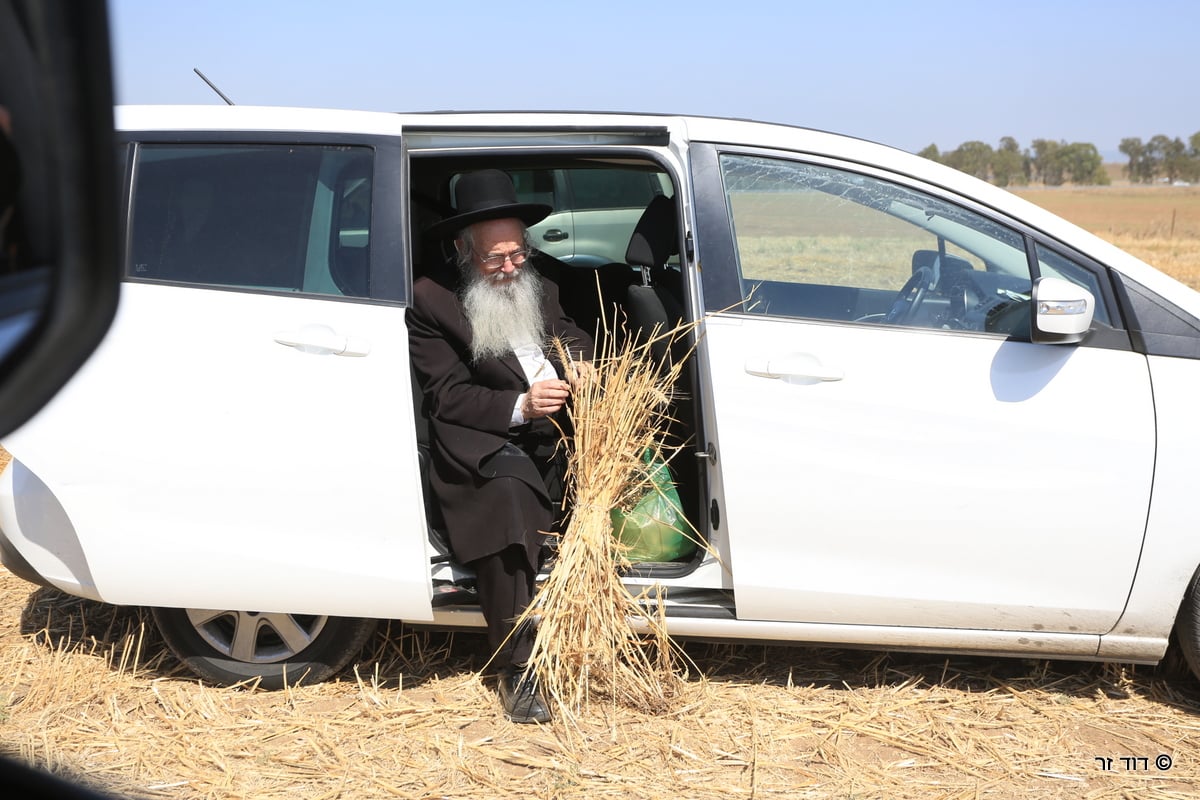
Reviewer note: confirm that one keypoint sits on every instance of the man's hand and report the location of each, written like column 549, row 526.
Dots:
column 545, row 398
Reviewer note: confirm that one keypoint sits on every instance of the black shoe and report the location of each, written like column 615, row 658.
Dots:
column 520, row 698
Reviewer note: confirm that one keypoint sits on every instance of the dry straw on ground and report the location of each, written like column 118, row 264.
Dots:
column 414, row 721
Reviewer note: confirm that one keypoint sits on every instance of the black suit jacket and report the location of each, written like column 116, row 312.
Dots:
column 470, row 407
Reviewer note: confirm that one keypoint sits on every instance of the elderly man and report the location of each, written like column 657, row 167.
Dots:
column 479, row 337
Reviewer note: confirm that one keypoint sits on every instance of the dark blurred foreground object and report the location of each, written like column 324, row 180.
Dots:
column 21, row 782
column 59, row 271
column 59, row 278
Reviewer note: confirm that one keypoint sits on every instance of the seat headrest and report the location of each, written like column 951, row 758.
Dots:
column 655, row 238
column 949, row 263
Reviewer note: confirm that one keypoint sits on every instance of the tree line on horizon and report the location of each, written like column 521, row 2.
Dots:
column 1056, row 163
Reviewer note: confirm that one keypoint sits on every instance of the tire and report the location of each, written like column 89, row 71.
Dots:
column 1187, row 626
column 274, row 650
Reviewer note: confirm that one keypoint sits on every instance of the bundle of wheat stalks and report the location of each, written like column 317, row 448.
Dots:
column 595, row 639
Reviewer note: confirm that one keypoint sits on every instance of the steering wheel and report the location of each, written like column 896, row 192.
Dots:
column 910, row 297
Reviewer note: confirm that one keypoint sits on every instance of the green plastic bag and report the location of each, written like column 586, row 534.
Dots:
column 655, row 529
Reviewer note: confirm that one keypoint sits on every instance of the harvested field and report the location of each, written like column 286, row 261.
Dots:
column 1158, row 224
column 90, row 692
column 1165, row 212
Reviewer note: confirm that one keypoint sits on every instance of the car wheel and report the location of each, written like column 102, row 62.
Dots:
column 277, row 650
column 1187, row 626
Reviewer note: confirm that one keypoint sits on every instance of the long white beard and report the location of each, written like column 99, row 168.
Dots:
column 503, row 313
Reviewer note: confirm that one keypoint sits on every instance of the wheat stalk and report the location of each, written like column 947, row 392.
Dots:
column 595, row 639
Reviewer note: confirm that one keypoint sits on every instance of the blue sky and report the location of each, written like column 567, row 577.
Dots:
column 903, row 73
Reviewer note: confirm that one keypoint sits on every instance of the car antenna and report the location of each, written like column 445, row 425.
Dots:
column 211, row 85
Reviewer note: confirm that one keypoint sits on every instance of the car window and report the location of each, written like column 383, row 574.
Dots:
column 265, row 217
column 533, row 186
column 821, row 243
column 1054, row 265
column 587, row 188
column 611, row 188
column 595, row 208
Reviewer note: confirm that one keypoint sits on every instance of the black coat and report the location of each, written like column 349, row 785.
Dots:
column 487, row 502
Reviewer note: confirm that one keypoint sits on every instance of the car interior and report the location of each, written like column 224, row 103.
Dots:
column 943, row 291
column 634, row 298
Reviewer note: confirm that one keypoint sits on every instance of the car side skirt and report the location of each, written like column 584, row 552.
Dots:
column 1014, row 644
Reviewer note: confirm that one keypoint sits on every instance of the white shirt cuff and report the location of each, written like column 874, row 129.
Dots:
column 518, row 417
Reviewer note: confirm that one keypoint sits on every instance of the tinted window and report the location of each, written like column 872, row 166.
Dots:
column 533, row 186
column 274, row 217
column 595, row 208
column 822, row 243
column 612, row 188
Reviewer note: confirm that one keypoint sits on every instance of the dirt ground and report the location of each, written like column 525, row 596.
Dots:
column 90, row 692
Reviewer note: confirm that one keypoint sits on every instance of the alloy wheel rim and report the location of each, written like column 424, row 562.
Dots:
column 254, row 637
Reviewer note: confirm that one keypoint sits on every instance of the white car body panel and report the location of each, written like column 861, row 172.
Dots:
column 254, row 118
column 947, row 480
column 260, row 490
column 1172, row 548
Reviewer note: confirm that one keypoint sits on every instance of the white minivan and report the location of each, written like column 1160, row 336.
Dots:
column 921, row 413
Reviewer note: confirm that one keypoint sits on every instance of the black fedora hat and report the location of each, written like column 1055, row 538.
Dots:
column 487, row 194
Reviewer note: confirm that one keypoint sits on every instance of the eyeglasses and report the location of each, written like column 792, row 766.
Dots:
column 493, row 260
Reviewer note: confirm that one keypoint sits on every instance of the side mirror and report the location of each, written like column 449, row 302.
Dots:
column 59, row 270
column 1062, row 311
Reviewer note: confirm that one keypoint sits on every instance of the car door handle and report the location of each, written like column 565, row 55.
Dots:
column 803, row 366
column 323, row 340
column 555, row 235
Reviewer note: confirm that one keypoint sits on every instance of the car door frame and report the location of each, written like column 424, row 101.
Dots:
column 665, row 142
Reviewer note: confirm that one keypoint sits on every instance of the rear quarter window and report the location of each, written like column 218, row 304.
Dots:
column 611, row 188
column 267, row 217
